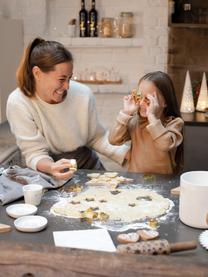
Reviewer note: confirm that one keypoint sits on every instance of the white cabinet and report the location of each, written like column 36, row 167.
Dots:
column 11, row 49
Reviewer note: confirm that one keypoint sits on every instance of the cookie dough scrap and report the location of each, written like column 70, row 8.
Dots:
column 128, row 238
column 111, row 174
column 108, row 179
column 116, row 206
column 93, row 175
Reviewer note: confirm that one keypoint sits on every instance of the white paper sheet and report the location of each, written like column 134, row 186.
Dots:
column 96, row 239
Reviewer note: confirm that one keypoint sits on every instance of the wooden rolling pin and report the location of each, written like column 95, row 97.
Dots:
column 175, row 191
column 4, row 228
column 156, row 247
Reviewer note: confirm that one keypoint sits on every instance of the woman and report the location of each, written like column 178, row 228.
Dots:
column 54, row 118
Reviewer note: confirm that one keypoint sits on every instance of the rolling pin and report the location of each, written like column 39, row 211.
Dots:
column 175, row 191
column 156, row 247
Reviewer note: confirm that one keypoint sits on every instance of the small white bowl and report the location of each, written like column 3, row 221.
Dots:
column 30, row 223
column 18, row 210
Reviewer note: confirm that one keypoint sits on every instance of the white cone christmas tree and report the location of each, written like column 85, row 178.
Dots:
column 202, row 102
column 187, row 103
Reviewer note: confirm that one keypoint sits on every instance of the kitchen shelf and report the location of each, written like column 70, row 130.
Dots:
column 99, row 42
column 202, row 68
column 188, row 25
column 96, row 82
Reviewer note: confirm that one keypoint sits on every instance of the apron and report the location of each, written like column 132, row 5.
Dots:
column 86, row 158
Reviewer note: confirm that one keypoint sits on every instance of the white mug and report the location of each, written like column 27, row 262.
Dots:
column 193, row 204
column 33, row 194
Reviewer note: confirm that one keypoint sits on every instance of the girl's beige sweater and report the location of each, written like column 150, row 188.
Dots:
column 153, row 146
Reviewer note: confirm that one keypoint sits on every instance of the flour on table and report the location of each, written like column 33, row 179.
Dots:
column 122, row 204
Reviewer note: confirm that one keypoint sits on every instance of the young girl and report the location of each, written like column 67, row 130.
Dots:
column 151, row 120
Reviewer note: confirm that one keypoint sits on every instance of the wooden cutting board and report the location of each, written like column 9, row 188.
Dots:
column 175, row 191
column 4, row 228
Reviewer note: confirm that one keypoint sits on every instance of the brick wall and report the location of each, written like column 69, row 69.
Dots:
column 50, row 17
column 184, row 56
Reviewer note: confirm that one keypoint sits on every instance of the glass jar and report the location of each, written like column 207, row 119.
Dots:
column 126, row 25
column 106, row 27
column 187, row 13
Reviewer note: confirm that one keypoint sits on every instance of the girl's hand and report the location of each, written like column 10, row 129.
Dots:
column 129, row 106
column 61, row 170
column 153, row 111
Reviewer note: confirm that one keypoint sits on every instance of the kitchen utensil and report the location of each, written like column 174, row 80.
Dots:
column 4, row 228
column 175, row 191
column 155, row 247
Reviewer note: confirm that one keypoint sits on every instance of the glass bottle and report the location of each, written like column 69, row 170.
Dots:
column 93, row 21
column 187, row 13
column 106, row 28
column 126, row 25
column 171, row 11
column 83, row 14
column 178, row 15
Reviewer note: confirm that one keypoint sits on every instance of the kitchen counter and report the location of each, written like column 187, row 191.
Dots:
column 195, row 119
column 40, row 245
column 195, row 141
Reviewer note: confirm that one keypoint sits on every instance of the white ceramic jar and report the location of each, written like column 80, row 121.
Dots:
column 193, row 204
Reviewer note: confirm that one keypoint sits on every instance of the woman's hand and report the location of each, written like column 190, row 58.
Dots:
column 62, row 169
column 129, row 106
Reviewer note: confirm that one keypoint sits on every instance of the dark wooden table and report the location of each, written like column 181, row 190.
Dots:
column 35, row 253
column 195, row 119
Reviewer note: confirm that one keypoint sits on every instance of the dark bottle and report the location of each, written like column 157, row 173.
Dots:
column 83, row 14
column 176, row 11
column 172, row 11
column 93, row 21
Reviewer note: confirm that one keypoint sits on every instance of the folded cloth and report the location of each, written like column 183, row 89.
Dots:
column 14, row 177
